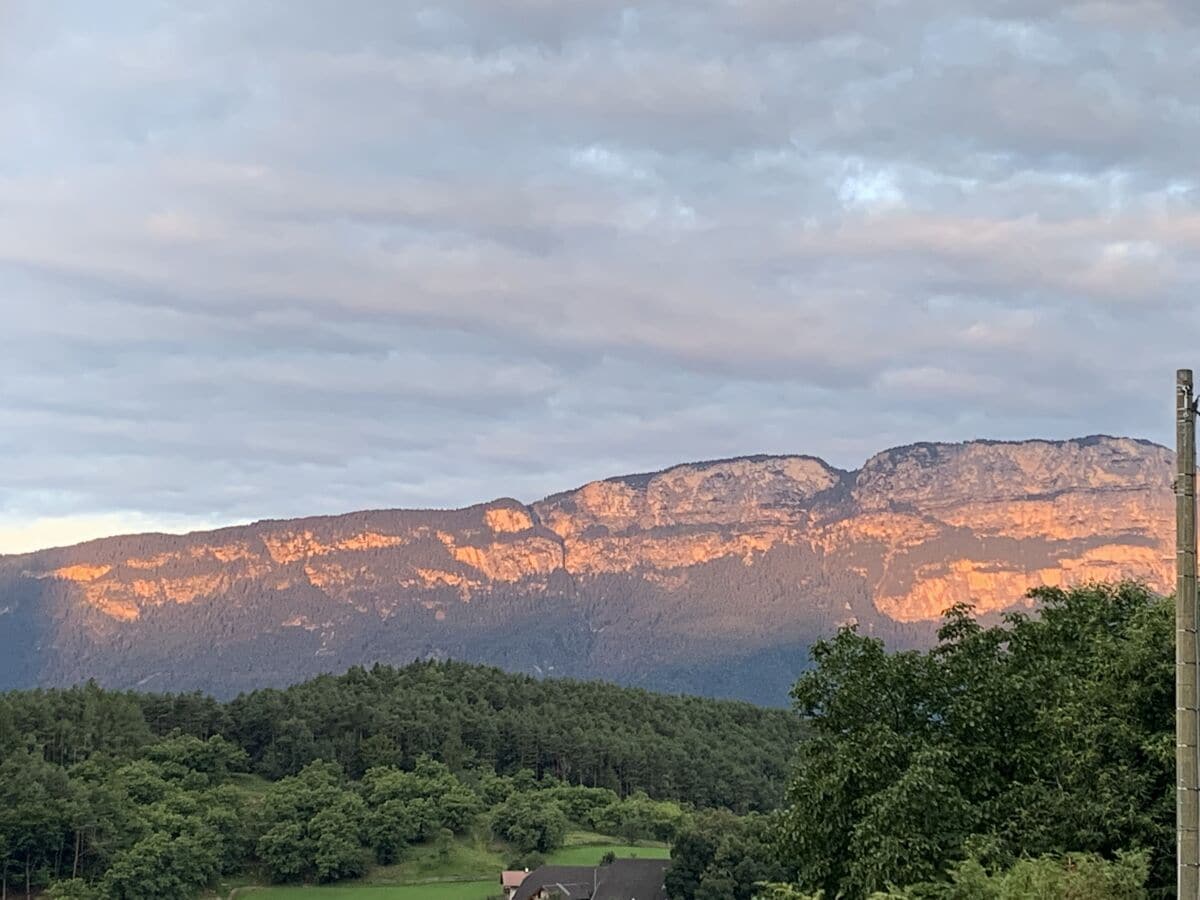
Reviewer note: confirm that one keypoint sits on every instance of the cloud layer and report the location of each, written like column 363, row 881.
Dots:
column 260, row 259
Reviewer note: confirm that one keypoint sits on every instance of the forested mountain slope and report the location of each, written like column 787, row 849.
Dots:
column 109, row 795
column 701, row 751
column 710, row 578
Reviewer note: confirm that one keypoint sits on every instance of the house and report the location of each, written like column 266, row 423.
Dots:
column 632, row 879
column 622, row 879
column 511, row 880
column 565, row 882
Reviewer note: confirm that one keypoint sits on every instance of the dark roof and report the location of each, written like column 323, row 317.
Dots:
column 573, row 882
column 622, row 879
column 632, row 879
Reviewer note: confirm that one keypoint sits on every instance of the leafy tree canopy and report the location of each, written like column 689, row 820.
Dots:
column 1038, row 735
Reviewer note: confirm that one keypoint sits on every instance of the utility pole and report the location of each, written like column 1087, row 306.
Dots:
column 1187, row 687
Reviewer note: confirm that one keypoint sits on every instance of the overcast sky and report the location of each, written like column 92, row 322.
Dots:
column 268, row 258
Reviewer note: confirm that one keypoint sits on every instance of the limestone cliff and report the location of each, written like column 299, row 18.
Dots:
column 709, row 576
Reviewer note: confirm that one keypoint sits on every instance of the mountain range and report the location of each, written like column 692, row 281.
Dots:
column 710, row 577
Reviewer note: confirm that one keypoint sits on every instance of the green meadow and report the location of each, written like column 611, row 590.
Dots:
column 466, row 890
column 590, row 855
column 469, row 871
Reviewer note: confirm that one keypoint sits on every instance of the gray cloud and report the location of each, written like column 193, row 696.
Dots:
column 262, row 261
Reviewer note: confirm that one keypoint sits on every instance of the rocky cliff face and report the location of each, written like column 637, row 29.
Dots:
column 710, row 577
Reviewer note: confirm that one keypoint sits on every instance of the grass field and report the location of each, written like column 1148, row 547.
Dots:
column 423, row 873
column 467, row 858
column 590, row 856
column 465, row 890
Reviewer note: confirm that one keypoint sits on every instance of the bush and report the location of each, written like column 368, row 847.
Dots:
column 72, row 889
column 1070, row 877
column 1082, row 876
column 530, row 822
column 638, row 817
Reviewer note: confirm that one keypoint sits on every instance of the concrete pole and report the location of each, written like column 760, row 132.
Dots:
column 1187, row 687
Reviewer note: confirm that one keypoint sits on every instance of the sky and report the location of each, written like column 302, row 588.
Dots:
column 263, row 258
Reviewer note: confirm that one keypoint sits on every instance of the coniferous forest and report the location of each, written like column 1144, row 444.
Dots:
column 1030, row 756
column 137, row 795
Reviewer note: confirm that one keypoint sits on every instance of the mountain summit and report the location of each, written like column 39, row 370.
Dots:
column 709, row 577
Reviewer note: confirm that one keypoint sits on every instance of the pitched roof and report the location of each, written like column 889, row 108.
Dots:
column 573, row 882
column 632, row 879
column 513, row 877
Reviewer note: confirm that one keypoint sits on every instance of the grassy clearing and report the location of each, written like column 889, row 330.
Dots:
column 468, row 890
column 590, row 855
column 473, row 859
column 469, row 869
column 584, row 848
column 587, row 839
column 593, row 839
column 229, row 887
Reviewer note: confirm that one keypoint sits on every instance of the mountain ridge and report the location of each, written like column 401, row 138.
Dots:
column 712, row 576
column 1084, row 440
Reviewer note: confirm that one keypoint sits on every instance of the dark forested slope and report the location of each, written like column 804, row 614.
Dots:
column 707, row 752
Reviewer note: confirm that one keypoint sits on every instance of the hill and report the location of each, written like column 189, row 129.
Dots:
column 709, row 577
column 437, row 773
column 701, row 751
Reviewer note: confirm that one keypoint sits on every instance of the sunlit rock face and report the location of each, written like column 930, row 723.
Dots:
column 1026, row 515
column 688, row 515
column 709, row 577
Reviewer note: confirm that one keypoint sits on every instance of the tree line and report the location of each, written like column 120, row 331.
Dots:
column 707, row 752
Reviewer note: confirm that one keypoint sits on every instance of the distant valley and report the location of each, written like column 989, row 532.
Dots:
column 711, row 577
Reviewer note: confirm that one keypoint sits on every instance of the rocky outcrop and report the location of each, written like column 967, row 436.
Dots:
column 711, row 576
column 1026, row 514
